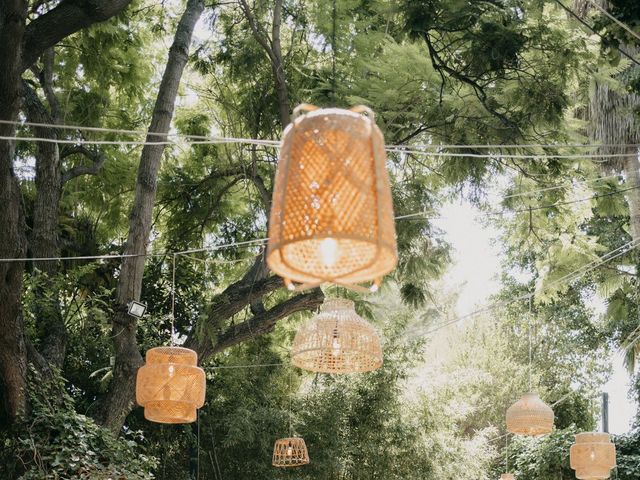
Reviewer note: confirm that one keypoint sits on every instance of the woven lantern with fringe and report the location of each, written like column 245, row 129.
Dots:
column 593, row 456
column 337, row 340
column 332, row 213
column 290, row 452
column 507, row 476
column 530, row 416
column 170, row 386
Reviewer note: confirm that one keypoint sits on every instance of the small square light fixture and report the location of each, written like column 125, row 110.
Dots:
column 137, row 309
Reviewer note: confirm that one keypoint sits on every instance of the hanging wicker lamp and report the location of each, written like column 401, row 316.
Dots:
column 593, row 456
column 337, row 340
column 290, row 452
column 530, row 416
column 507, row 476
column 332, row 213
column 170, row 386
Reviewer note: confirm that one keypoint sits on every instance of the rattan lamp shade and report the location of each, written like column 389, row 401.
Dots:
column 530, row 416
column 170, row 386
column 337, row 340
column 290, row 452
column 593, row 456
column 507, row 476
column 332, row 214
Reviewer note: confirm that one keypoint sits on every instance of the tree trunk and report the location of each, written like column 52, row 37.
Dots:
column 119, row 400
column 43, row 241
column 22, row 44
column 13, row 356
column 632, row 174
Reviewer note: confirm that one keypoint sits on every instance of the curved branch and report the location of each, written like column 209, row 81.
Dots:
column 67, row 18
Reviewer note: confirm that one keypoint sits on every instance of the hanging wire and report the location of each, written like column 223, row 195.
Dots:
column 614, row 19
column 173, row 300
column 530, row 342
column 262, row 241
column 275, row 143
column 506, row 454
column 334, row 51
column 566, row 279
column 290, row 395
column 577, row 17
column 198, row 447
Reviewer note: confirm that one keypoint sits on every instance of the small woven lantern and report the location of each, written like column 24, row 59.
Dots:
column 332, row 213
column 290, row 452
column 530, row 416
column 170, row 386
column 507, row 476
column 337, row 340
column 593, row 456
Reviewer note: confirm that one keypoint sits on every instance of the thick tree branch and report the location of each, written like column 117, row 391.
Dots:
column 263, row 322
column 67, row 18
column 97, row 162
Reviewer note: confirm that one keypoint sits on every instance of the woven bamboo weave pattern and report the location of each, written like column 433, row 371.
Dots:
column 170, row 386
column 332, row 214
column 507, row 476
column 290, row 452
column 337, row 340
column 593, row 456
column 530, row 416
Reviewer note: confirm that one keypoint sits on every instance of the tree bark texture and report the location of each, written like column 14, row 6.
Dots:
column 43, row 241
column 632, row 173
column 120, row 398
column 13, row 356
column 22, row 44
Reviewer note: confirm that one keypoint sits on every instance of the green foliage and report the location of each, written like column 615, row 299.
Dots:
column 56, row 442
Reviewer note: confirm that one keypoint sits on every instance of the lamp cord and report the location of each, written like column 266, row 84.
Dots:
column 290, row 395
column 173, row 299
column 530, row 344
column 334, row 20
column 506, row 455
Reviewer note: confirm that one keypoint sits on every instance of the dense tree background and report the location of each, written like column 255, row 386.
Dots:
column 526, row 74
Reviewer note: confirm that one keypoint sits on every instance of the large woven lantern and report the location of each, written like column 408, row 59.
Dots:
column 593, row 456
column 332, row 214
column 507, row 476
column 530, row 416
column 337, row 340
column 290, row 452
column 170, row 386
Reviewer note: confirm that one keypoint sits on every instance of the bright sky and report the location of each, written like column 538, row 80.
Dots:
column 476, row 265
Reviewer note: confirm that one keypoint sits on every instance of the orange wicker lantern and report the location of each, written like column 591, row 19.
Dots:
column 170, row 386
column 530, row 416
column 507, row 476
column 290, row 452
column 337, row 340
column 332, row 213
column 593, row 456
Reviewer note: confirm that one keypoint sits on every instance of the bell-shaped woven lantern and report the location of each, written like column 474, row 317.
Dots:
column 290, row 452
column 170, row 386
column 530, row 416
column 337, row 340
column 507, row 476
column 593, row 456
column 332, row 213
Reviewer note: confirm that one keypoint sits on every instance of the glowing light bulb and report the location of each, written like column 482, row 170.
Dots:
column 289, row 451
column 328, row 251
column 335, row 347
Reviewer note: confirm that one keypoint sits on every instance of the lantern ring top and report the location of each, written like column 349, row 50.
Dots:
column 308, row 107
